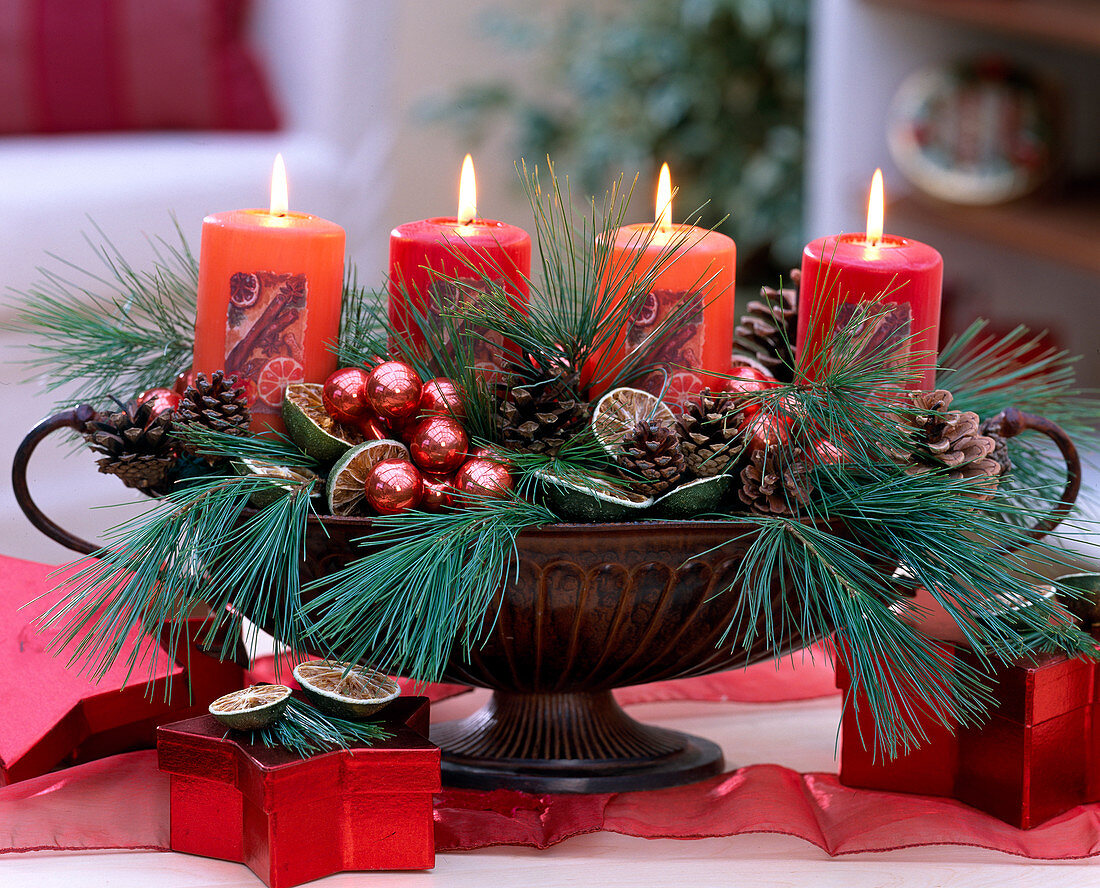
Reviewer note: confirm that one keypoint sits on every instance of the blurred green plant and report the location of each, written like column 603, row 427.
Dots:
column 714, row 87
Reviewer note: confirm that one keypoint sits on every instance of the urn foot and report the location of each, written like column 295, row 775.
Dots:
column 568, row 743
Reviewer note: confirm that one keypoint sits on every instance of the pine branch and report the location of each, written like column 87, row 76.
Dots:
column 988, row 374
column 271, row 447
column 115, row 330
column 197, row 546
column 307, row 731
column 364, row 326
column 424, row 583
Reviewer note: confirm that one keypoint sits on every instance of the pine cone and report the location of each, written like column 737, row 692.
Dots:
column 217, row 403
column 774, row 479
column 652, row 458
column 137, row 444
column 708, row 434
column 766, row 332
column 1000, row 446
column 540, row 417
column 947, row 439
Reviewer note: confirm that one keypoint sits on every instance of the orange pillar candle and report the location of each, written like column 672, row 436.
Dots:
column 270, row 287
column 701, row 271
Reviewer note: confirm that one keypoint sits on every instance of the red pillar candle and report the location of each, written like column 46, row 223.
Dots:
column 270, row 288
column 905, row 275
column 700, row 271
column 427, row 256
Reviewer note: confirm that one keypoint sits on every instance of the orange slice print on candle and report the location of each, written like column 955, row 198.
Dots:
column 277, row 374
column 681, row 386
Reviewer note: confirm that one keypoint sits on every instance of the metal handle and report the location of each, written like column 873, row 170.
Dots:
column 66, row 419
column 1011, row 423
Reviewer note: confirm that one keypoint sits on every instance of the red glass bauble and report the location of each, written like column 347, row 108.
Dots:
column 394, row 485
column 483, row 477
column 163, row 399
column 766, row 430
column 393, row 391
column 826, row 453
column 437, row 492
column 186, row 378
column 372, row 427
column 438, row 444
column 344, row 395
column 744, row 380
column 441, row 397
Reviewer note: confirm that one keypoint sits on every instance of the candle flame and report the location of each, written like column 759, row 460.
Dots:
column 663, row 214
column 467, row 193
column 279, row 202
column 876, row 210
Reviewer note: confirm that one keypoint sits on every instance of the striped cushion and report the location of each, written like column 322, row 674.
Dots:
column 95, row 65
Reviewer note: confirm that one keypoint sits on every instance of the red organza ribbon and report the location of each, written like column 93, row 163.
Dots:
column 122, row 802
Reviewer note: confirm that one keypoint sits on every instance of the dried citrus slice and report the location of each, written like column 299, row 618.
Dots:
column 348, row 477
column 592, row 500
column 694, row 498
column 283, row 479
column 252, row 708
column 621, row 409
column 345, row 689
column 311, row 428
column 277, row 374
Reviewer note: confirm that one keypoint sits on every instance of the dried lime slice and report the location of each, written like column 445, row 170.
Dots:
column 311, row 428
column 283, row 479
column 252, row 708
column 694, row 498
column 344, row 689
column 592, row 500
column 348, row 477
column 620, row 410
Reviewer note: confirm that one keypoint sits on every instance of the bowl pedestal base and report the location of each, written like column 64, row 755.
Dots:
column 568, row 742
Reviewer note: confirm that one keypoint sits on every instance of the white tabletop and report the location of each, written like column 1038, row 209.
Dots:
column 797, row 735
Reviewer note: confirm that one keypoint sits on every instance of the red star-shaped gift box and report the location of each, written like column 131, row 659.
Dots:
column 53, row 713
column 292, row 820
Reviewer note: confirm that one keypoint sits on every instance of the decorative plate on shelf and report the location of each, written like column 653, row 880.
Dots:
column 974, row 132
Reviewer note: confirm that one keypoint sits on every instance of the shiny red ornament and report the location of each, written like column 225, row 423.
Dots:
column 186, row 378
column 345, row 395
column 766, row 430
column 438, row 444
column 394, row 485
column 163, row 399
column 441, row 397
column 483, row 477
column 826, row 453
column 393, row 391
column 745, row 380
column 437, row 492
column 372, row 427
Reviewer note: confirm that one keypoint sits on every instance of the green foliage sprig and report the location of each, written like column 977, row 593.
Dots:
column 307, row 731
column 199, row 545
column 424, row 583
column 115, row 330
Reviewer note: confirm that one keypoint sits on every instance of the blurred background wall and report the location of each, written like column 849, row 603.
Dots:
column 774, row 110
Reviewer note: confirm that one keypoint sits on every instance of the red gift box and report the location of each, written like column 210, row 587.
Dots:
column 54, row 713
column 1037, row 756
column 292, row 820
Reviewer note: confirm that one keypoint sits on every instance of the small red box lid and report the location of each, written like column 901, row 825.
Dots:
column 271, row 778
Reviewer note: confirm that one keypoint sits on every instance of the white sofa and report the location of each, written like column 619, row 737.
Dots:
column 329, row 64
